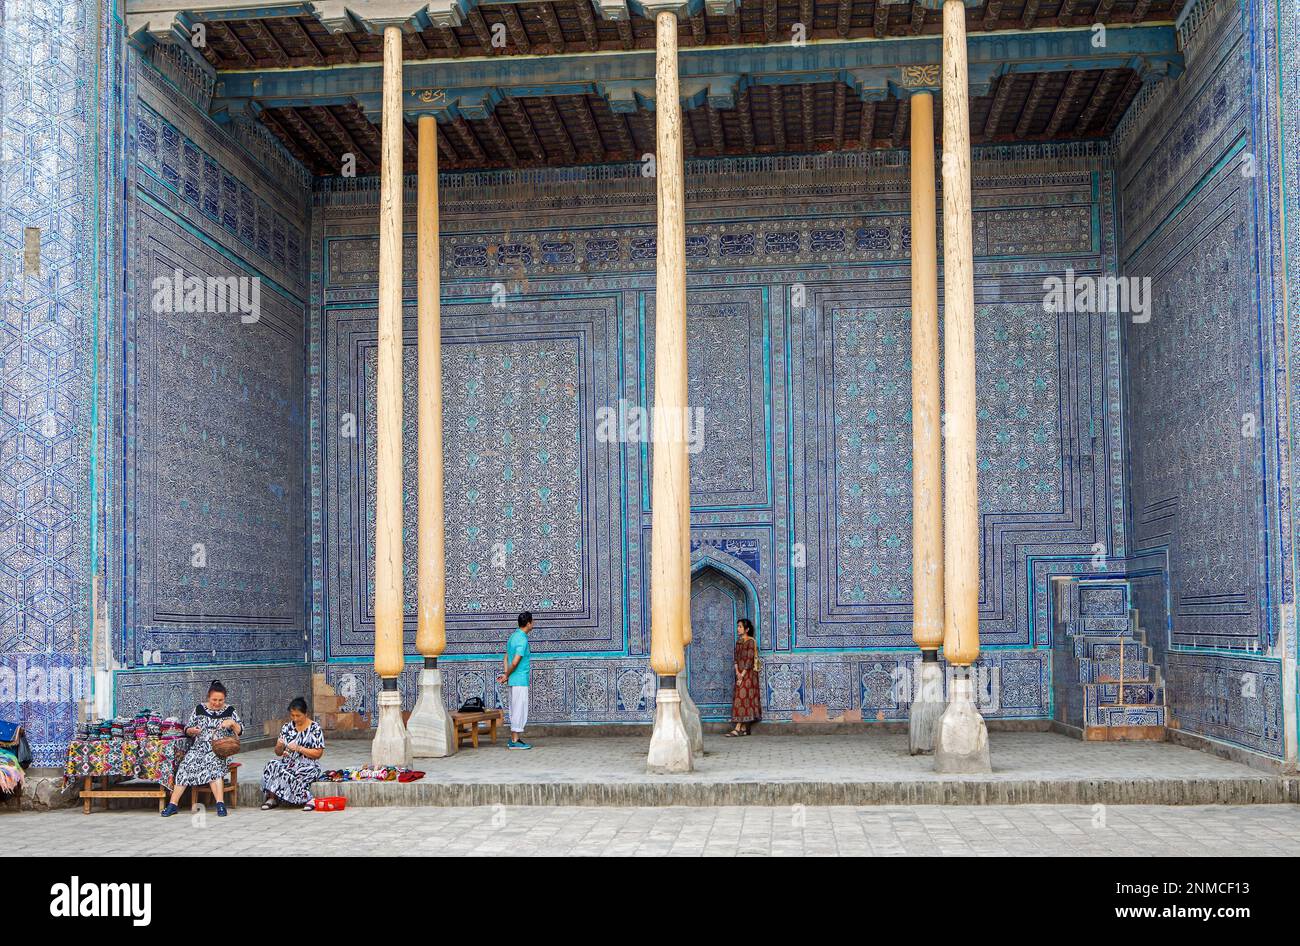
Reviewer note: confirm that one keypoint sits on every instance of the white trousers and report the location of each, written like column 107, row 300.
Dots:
column 518, row 708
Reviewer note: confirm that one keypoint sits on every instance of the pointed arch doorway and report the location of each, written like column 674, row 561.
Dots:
column 718, row 601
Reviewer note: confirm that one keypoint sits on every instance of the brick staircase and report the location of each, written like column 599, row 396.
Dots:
column 1106, row 677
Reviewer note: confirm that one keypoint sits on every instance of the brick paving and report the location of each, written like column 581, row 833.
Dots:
column 793, row 758
column 843, row 769
column 1054, row 830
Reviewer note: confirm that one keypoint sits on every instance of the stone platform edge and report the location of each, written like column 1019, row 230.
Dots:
column 662, row 794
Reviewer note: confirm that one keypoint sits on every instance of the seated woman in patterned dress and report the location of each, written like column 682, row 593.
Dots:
column 211, row 720
column 289, row 777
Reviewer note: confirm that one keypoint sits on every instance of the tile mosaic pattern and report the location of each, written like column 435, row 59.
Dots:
column 50, row 88
column 782, row 346
column 1209, row 484
column 212, row 405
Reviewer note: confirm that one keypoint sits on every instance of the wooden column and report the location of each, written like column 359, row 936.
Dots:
column 961, row 742
column 961, row 547
column 392, row 744
column 927, row 443
column 431, row 635
column 430, row 725
column 670, row 501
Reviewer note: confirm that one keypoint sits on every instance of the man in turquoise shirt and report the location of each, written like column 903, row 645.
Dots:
column 517, row 666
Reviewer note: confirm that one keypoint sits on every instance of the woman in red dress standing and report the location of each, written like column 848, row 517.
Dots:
column 746, row 705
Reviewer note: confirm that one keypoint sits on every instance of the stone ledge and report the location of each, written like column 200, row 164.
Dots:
column 684, row 791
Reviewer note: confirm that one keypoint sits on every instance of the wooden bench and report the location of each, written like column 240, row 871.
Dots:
column 132, row 789
column 230, row 795
column 467, row 725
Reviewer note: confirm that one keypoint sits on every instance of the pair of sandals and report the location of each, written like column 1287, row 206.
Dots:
column 275, row 803
column 739, row 732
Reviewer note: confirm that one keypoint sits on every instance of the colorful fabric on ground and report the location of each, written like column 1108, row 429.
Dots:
column 149, row 760
column 371, row 773
column 11, row 773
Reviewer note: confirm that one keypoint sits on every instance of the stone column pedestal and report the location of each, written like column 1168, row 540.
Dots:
column 392, row 743
column 927, row 706
column 430, row 726
column 691, row 719
column 670, row 746
column 961, row 743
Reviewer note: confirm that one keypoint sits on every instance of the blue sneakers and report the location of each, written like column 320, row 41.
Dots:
column 221, row 809
column 514, row 744
column 168, row 810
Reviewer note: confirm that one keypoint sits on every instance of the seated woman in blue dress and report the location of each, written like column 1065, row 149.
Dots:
column 289, row 777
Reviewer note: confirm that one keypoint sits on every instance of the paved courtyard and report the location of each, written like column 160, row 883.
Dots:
column 854, row 757
column 845, row 769
column 1059, row 830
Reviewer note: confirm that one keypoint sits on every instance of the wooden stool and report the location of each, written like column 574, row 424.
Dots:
column 231, row 791
column 467, row 725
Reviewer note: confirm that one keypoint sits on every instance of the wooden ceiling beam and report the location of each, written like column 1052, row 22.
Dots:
column 1000, row 99
column 469, row 139
column 233, row 39
column 699, row 35
column 746, row 119
column 341, row 132
column 290, row 142
column 867, row 126
column 481, row 31
column 347, row 47
column 1031, row 105
column 715, row 129
column 272, row 44
column 1031, row 13
column 515, row 25
column 1067, row 101
column 588, row 20
column 901, row 116
column 776, row 103
column 808, row 112
column 1099, row 95
column 1121, row 104
column 880, row 22
column 500, row 140
column 525, row 124
column 844, row 18
column 625, row 33
column 837, row 131
column 552, row 24
column 449, row 41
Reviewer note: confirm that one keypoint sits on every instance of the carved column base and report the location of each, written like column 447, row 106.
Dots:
column 432, row 734
column 670, row 747
column 927, row 707
column 392, row 743
column 691, row 719
column 961, row 743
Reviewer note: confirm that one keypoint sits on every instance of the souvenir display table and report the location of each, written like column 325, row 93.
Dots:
column 141, row 758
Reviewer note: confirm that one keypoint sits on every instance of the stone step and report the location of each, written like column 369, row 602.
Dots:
column 1109, row 648
column 1107, row 671
column 1124, row 715
column 1139, row 693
